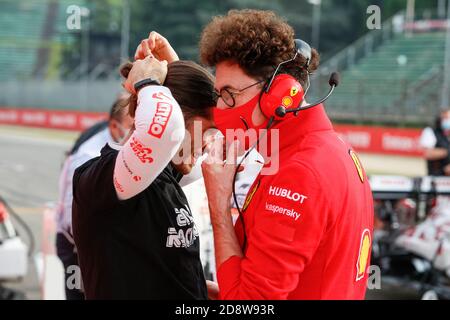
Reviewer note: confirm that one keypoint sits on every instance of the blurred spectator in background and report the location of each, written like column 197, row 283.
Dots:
column 86, row 147
column 87, row 134
column 436, row 145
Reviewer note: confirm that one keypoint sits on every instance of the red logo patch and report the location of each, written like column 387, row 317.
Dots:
column 160, row 96
column 118, row 186
column 142, row 153
column 159, row 122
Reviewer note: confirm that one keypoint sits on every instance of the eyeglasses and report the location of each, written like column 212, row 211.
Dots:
column 228, row 96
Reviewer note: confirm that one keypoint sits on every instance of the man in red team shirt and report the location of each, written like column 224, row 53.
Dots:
column 307, row 229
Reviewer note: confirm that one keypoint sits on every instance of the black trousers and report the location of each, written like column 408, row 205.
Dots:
column 65, row 252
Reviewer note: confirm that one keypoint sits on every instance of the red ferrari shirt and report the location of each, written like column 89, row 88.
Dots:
column 309, row 226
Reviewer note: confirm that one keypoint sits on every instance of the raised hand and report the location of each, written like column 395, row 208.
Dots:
column 157, row 46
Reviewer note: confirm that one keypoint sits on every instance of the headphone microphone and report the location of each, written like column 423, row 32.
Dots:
column 284, row 95
column 333, row 82
column 334, row 79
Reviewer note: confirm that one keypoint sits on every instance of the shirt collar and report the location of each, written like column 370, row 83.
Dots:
column 175, row 173
column 114, row 145
column 308, row 121
column 292, row 131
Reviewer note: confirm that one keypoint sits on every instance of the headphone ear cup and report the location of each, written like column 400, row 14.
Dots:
column 285, row 92
column 264, row 103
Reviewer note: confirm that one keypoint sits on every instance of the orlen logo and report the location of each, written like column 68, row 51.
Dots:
column 162, row 116
column 142, row 153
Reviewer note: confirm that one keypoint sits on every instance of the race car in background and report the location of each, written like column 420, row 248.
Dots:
column 411, row 244
column 13, row 254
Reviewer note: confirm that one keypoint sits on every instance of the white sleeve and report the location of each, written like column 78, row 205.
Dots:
column 73, row 162
column 80, row 158
column 428, row 139
column 63, row 185
column 159, row 134
column 62, row 181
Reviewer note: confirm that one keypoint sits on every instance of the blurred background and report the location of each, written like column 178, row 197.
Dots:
column 59, row 75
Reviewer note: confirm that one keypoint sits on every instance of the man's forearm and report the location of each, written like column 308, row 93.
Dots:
column 225, row 240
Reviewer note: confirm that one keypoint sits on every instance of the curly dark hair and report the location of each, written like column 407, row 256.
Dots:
column 257, row 40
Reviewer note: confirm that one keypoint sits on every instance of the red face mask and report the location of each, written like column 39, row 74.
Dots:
column 239, row 117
